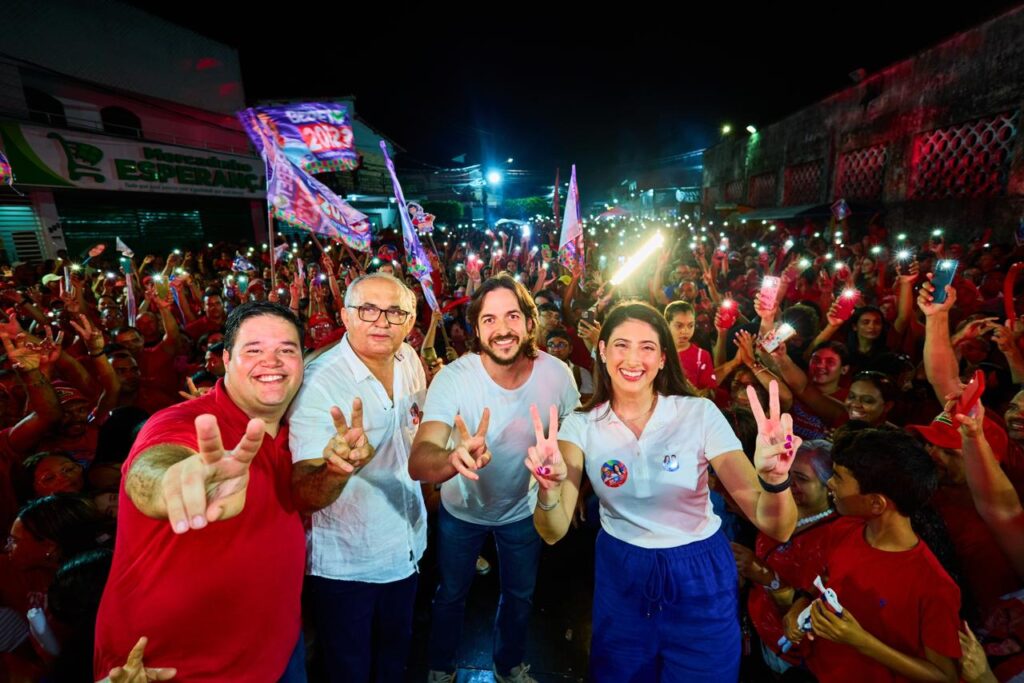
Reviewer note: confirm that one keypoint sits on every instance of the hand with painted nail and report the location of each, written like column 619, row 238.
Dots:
column 472, row 452
column 776, row 443
column 210, row 485
column 545, row 460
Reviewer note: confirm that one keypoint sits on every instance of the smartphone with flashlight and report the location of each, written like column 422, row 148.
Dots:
column 769, row 291
column 847, row 302
column 780, row 335
column 727, row 313
column 942, row 278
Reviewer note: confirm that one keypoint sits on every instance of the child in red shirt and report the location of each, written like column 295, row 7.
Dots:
column 900, row 615
column 697, row 363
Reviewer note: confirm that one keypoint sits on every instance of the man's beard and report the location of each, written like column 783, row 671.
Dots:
column 500, row 360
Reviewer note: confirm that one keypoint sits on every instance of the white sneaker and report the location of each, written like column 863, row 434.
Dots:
column 519, row 674
column 440, row 677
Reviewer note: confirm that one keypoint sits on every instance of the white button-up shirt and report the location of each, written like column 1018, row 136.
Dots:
column 376, row 531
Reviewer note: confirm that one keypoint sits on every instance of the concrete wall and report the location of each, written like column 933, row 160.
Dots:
column 974, row 75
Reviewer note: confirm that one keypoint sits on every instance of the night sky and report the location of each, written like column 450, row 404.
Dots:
column 604, row 90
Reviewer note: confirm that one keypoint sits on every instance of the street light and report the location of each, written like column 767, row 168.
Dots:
column 751, row 130
column 726, row 129
column 494, row 177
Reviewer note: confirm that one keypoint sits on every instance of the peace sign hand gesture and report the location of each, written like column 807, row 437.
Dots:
column 472, row 452
column 348, row 450
column 545, row 460
column 210, row 485
column 776, row 443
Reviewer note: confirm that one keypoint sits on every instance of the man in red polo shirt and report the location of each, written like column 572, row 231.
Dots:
column 210, row 553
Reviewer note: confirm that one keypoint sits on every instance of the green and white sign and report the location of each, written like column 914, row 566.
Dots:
column 51, row 157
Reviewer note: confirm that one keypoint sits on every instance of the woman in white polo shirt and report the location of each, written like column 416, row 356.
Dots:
column 666, row 588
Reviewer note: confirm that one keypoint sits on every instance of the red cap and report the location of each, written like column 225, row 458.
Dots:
column 943, row 434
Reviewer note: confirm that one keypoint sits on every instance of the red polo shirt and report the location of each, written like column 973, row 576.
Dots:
column 219, row 603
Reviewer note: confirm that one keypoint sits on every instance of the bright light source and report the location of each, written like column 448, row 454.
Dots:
column 494, row 177
column 509, row 160
column 726, row 129
column 638, row 258
column 751, row 130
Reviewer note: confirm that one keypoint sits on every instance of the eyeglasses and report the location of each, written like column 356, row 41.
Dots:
column 67, row 470
column 558, row 345
column 369, row 313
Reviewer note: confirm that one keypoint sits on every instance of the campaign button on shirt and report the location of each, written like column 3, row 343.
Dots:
column 614, row 474
column 670, row 463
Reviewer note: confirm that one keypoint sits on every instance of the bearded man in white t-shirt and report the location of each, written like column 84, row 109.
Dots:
column 474, row 437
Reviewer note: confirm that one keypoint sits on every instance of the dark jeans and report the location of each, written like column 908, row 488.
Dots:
column 364, row 627
column 458, row 545
column 295, row 672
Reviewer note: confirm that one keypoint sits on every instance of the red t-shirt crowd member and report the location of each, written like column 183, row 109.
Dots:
column 796, row 563
column 699, row 367
column 219, row 603
column 905, row 599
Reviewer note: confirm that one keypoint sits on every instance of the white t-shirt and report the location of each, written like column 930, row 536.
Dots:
column 503, row 494
column 376, row 531
column 654, row 490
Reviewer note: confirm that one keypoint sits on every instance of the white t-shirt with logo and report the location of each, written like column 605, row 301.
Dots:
column 654, row 490
column 503, row 493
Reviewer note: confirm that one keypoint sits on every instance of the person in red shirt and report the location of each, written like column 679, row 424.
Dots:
column 697, row 363
column 210, row 551
column 774, row 568
column 900, row 618
column 212, row 321
column 818, row 403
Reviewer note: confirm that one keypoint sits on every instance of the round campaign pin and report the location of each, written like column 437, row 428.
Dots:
column 614, row 474
column 670, row 463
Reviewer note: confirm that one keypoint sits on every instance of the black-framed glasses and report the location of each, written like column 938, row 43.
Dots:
column 369, row 313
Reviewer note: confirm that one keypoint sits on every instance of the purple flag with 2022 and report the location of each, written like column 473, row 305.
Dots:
column 315, row 136
column 299, row 199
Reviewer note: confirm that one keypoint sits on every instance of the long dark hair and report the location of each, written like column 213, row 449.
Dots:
column 853, row 343
column 669, row 381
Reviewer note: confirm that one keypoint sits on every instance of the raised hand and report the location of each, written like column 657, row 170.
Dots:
column 21, row 354
column 745, row 347
column 193, row 392
column 348, row 450
column 472, row 452
column 776, row 443
column 210, row 485
column 926, row 298
column 545, row 460
column 134, row 671
column 91, row 336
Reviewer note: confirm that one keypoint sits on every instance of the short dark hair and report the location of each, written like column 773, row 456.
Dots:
column 548, row 308
column 69, row 520
column 890, row 462
column 526, row 307
column 678, row 308
column 558, row 333
column 74, row 595
column 254, row 309
column 836, row 347
column 883, row 382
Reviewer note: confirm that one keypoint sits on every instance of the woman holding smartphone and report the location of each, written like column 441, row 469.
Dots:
column 666, row 589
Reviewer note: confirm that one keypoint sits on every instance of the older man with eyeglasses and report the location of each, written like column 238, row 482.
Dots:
column 369, row 526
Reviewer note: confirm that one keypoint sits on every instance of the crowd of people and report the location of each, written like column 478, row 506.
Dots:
column 806, row 449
